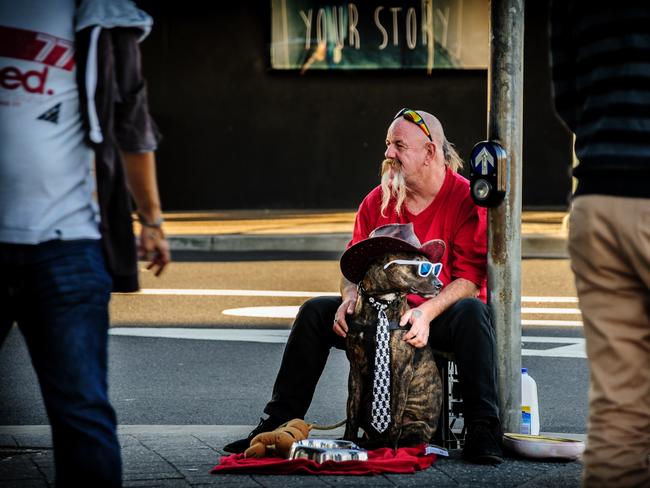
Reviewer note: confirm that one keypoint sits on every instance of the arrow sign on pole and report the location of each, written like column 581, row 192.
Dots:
column 487, row 172
column 484, row 162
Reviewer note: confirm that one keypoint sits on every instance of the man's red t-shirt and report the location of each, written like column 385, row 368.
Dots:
column 452, row 217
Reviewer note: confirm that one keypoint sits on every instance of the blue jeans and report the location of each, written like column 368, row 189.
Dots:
column 58, row 293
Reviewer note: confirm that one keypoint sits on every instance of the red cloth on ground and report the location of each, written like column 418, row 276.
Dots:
column 405, row 460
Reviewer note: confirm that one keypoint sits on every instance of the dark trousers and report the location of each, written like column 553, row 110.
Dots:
column 464, row 329
column 58, row 293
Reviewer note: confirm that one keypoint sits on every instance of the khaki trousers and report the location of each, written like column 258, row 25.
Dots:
column 609, row 244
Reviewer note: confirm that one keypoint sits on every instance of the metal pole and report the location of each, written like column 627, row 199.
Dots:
column 505, row 77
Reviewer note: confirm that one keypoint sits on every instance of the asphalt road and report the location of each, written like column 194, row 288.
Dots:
column 227, row 379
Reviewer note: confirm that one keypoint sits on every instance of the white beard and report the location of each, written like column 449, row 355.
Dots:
column 392, row 185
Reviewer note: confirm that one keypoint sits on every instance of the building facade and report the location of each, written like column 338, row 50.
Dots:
column 242, row 131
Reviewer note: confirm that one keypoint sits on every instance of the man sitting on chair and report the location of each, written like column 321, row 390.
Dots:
column 420, row 185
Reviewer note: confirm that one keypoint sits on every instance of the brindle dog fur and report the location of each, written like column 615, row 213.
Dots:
column 416, row 388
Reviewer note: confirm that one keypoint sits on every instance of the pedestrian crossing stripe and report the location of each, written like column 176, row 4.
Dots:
column 559, row 347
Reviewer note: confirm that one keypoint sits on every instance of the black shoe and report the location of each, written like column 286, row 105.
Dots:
column 265, row 425
column 483, row 443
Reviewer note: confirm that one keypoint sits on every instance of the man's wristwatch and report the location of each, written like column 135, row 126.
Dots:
column 156, row 224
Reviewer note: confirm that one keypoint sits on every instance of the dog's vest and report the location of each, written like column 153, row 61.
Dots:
column 372, row 328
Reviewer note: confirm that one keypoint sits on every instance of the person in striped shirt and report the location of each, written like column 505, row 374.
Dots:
column 601, row 79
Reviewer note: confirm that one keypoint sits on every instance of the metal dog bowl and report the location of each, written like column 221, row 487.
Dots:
column 321, row 450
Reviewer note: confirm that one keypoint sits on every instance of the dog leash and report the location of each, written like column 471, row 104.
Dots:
column 328, row 427
column 318, row 426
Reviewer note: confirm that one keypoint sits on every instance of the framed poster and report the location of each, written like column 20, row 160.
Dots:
column 390, row 34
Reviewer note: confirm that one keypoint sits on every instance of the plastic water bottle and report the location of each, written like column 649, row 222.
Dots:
column 529, row 405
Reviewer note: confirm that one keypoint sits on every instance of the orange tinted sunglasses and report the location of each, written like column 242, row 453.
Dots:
column 416, row 118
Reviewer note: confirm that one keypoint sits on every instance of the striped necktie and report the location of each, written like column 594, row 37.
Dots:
column 381, row 384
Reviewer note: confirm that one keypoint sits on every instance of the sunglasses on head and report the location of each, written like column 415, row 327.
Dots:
column 416, row 118
column 425, row 268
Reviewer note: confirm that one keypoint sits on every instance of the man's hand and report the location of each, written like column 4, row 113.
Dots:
column 140, row 171
column 347, row 308
column 349, row 295
column 153, row 247
column 418, row 335
column 421, row 317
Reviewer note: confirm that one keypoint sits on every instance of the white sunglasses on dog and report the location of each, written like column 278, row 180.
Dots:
column 425, row 268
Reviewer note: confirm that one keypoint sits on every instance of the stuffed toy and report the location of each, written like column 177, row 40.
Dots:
column 278, row 442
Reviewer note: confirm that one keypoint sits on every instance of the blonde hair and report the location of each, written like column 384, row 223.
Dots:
column 452, row 158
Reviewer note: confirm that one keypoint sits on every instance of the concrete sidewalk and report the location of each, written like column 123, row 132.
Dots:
column 182, row 456
column 543, row 234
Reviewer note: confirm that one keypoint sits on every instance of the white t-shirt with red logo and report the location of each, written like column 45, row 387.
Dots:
column 47, row 182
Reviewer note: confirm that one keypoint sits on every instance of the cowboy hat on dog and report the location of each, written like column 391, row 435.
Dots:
column 387, row 238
